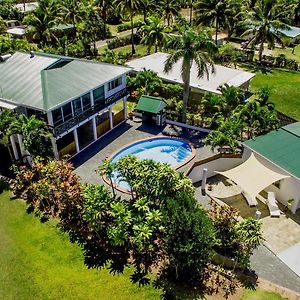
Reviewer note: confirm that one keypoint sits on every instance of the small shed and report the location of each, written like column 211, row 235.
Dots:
column 152, row 109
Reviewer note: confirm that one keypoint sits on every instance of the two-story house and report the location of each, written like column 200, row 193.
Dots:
column 74, row 96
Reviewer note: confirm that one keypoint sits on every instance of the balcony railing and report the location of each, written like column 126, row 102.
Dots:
column 58, row 130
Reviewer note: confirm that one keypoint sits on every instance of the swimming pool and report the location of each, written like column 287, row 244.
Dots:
column 173, row 151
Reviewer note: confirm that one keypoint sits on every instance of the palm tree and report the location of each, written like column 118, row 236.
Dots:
column 130, row 7
column 211, row 12
column 42, row 19
column 154, row 33
column 72, row 11
column 170, row 9
column 147, row 80
column 266, row 18
column 105, row 7
column 191, row 47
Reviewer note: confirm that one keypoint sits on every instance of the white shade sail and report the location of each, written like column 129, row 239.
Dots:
column 253, row 176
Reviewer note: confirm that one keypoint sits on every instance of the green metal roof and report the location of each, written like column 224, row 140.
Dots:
column 151, row 104
column 45, row 81
column 282, row 147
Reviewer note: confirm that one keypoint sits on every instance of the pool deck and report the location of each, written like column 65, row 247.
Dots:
column 89, row 160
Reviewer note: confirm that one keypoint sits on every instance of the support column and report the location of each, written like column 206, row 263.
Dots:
column 54, row 147
column 94, row 128
column 14, row 146
column 125, row 107
column 204, row 179
column 111, row 122
column 20, row 139
column 76, row 140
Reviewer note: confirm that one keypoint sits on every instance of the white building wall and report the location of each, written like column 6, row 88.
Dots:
column 117, row 89
column 289, row 187
column 220, row 164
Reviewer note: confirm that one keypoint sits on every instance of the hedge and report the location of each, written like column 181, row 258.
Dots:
column 123, row 41
column 127, row 26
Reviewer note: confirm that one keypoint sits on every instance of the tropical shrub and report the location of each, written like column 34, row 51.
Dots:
column 127, row 26
column 118, row 42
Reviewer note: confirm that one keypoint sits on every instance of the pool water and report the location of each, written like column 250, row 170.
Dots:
column 173, row 151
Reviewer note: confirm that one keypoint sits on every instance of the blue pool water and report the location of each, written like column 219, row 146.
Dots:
column 173, row 151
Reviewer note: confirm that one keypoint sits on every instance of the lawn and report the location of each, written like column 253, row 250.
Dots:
column 37, row 261
column 285, row 90
column 288, row 52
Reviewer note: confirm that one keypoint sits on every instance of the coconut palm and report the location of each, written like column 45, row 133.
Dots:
column 191, row 47
column 154, row 33
column 72, row 11
column 263, row 23
column 170, row 9
column 130, row 7
column 41, row 20
column 211, row 13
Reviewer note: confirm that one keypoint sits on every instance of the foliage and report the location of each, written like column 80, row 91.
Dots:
column 263, row 22
column 146, row 82
column 2, row 25
column 127, row 26
column 237, row 239
column 8, row 11
column 188, row 240
column 129, row 7
column 36, row 135
column 235, row 120
column 122, row 41
column 50, row 189
column 7, row 117
column 191, row 47
column 9, row 45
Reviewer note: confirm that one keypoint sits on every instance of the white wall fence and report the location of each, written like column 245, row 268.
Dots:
column 187, row 126
column 219, row 162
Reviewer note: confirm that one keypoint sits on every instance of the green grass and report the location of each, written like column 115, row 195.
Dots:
column 113, row 28
column 288, row 53
column 141, row 50
column 285, row 90
column 260, row 294
column 37, row 261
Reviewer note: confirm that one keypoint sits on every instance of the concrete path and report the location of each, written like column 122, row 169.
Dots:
column 267, row 265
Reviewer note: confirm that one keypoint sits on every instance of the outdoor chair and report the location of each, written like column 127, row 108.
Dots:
column 251, row 202
column 272, row 205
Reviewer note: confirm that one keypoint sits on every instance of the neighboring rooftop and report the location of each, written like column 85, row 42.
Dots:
column 222, row 75
column 282, row 147
column 44, row 81
column 291, row 32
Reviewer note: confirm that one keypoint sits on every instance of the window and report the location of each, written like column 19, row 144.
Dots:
column 114, row 83
column 98, row 94
column 67, row 111
column 86, row 101
column 77, row 108
column 57, row 117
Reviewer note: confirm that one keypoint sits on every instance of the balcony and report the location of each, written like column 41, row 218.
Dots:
column 67, row 125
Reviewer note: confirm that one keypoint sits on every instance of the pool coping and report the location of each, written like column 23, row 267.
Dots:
column 125, row 191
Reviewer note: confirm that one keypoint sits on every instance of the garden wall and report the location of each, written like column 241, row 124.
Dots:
column 219, row 162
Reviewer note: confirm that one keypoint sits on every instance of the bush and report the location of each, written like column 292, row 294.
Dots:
column 127, row 26
column 121, row 42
